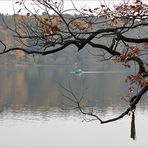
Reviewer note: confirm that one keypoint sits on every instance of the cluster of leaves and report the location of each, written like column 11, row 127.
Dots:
column 101, row 10
column 121, row 13
column 137, row 9
column 135, row 79
column 48, row 29
column 130, row 52
column 139, row 78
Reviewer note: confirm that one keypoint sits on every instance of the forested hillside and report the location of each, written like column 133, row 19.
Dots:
column 68, row 56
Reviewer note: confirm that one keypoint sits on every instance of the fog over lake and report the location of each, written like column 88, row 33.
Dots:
column 33, row 112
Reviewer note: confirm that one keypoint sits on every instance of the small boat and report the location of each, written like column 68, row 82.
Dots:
column 78, row 71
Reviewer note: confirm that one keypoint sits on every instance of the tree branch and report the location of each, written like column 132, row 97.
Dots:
column 66, row 44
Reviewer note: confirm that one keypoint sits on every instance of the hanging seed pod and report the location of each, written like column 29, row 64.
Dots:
column 133, row 128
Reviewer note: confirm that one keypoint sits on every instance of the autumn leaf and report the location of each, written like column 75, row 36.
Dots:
column 102, row 5
column 84, row 9
column 96, row 8
column 145, row 44
column 28, row 14
column 143, row 83
column 55, row 29
column 135, row 50
column 17, row 2
column 90, row 10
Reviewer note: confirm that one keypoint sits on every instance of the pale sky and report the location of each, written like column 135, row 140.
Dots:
column 6, row 6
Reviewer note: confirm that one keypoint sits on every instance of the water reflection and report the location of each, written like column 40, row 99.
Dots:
column 56, row 128
column 33, row 112
column 38, row 86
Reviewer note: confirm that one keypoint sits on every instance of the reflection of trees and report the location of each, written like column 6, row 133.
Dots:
column 14, row 88
column 88, row 111
column 42, row 85
column 39, row 86
column 26, row 86
column 21, row 87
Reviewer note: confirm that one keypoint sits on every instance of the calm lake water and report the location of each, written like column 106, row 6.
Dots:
column 34, row 113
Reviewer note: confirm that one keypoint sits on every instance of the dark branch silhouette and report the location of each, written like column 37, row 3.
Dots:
column 118, row 32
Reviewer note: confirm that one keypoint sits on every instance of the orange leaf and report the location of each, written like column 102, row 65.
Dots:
column 55, row 29
column 136, row 50
column 90, row 10
column 145, row 43
column 143, row 84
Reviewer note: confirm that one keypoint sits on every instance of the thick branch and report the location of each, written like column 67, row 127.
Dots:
column 115, row 31
column 132, row 40
column 66, row 44
column 139, row 62
column 109, row 50
column 139, row 95
column 132, row 105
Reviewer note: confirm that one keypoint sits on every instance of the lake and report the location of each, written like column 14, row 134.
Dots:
column 35, row 114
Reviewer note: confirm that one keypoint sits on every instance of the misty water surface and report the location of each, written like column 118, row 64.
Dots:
column 33, row 112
